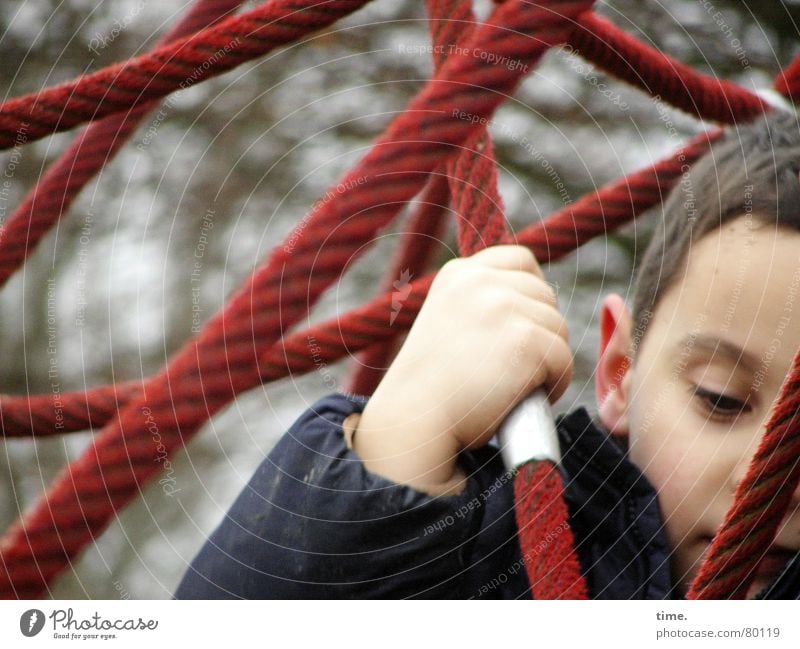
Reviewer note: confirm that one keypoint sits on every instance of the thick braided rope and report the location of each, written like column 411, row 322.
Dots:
column 546, row 541
column 45, row 415
column 376, row 359
column 55, row 192
column 450, row 23
column 414, row 256
column 213, row 51
column 212, row 368
column 473, row 172
column 560, row 233
column 538, row 504
column 184, row 63
column 656, row 73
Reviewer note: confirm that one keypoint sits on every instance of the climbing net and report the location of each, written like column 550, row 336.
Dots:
column 427, row 150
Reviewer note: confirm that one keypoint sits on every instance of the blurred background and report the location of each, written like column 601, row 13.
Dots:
column 249, row 152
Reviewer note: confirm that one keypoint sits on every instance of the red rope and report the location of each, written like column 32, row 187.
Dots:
column 450, row 22
column 787, row 82
column 222, row 360
column 413, row 259
column 538, row 504
column 211, row 52
column 180, row 64
column 45, row 415
column 660, row 75
column 53, row 195
column 545, row 538
column 473, row 172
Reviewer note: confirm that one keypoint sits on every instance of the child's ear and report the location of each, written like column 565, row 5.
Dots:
column 612, row 376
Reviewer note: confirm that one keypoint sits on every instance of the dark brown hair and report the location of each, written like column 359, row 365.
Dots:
column 753, row 170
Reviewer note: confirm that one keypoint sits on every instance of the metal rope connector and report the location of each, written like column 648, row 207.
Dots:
column 776, row 100
column 529, row 433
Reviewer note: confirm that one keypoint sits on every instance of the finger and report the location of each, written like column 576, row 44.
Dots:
column 542, row 315
column 530, row 285
column 560, row 366
column 517, row 258
column 554, row 369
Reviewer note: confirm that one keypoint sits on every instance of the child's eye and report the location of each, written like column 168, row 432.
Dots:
column 721, row 404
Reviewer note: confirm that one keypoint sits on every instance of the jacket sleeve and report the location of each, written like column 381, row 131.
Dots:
column 314, row 523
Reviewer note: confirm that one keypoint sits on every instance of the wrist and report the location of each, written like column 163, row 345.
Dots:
column 406, row 447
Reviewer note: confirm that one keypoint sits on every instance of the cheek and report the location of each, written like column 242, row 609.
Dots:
column 657, row 443
column 666, row 444
column 675, row 479
column 672, row 457
column 665, row 467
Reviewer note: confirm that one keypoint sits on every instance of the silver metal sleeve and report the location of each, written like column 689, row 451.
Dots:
column 529, row 433
column 776, row 100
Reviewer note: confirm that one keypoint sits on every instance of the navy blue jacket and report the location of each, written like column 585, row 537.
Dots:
column 314, row 523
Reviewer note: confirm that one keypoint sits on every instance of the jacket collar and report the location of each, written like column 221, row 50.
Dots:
column 615, row 515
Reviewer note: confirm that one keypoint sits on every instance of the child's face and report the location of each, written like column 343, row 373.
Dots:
column 699, row 393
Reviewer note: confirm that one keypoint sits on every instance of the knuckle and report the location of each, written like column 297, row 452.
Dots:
column 566, row 361
column 525, row 336
column 451, row 267
column 453, row 275
column 495, row 301
column 550, row 294
column 530, row 261
column 526, row 329
column 569, row 359
column 552, row 320
column 527, row 254
column 545, row 293
column 563, row 328
column 523, row 257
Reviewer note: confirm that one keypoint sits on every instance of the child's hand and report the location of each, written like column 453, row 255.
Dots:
column 488, row 335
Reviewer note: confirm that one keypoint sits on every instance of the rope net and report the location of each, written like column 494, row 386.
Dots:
column 427, row 150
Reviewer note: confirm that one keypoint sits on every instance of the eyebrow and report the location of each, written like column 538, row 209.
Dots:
column 714, row 346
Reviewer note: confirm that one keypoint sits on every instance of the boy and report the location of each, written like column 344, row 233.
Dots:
column 402, row 495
